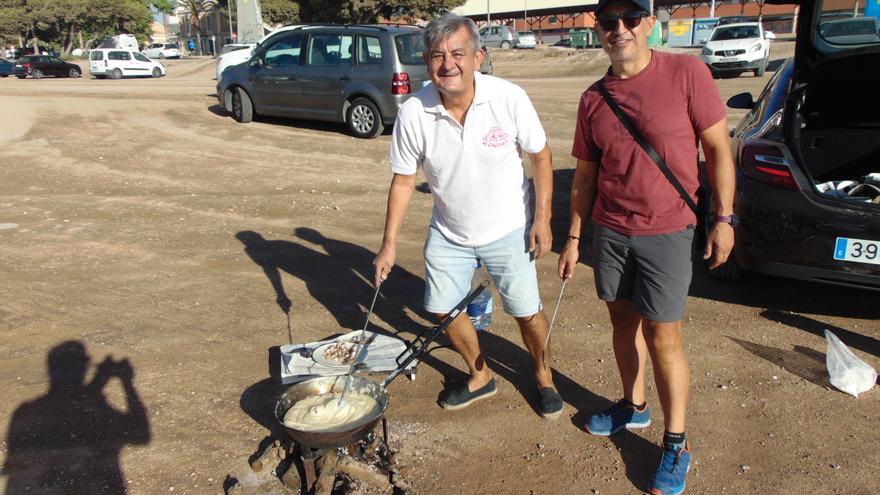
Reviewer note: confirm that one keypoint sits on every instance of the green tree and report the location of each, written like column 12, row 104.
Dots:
column 195, row 10
column 280, row 12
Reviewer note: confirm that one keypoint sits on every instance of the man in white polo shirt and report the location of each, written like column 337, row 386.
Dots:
column 466, row 131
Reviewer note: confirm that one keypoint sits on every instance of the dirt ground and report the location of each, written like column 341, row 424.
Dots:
column 139, row 222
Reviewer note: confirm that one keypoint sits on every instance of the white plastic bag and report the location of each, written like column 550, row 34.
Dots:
column 848, row 373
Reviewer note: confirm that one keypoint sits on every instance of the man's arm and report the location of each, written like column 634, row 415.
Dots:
column 583, row 194
column 399, row 195
column 722, row 177
column 542, row 175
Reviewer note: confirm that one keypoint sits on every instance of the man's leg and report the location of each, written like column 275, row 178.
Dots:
column 671, row 372
column 630, row 349
column 534, row 333
column 463, row 336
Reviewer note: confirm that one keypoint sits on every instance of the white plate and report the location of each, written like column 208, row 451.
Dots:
column 861, row 250
column 319, row 355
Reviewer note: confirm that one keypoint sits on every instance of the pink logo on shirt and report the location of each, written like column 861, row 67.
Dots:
column 496, row 138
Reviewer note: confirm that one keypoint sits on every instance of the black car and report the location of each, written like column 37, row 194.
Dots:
column 6, row 68
column 808, row 164
column 40, row 66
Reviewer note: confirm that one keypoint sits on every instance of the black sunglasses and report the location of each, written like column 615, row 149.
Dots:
column 631, row 19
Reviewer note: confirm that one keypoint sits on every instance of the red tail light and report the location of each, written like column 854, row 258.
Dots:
column 767, row 164
column 400, row 83
column 26, row 66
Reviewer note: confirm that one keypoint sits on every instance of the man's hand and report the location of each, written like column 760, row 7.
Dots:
column 384, row 262
column 541, row 239
column 568, row 258
column 719, row 244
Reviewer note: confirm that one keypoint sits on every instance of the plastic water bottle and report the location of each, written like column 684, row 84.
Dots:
column 480, row 309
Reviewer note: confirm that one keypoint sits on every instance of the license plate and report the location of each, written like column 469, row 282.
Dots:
column 861, row 250
column 729, row 59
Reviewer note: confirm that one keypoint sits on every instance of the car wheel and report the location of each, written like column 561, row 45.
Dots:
column 242, row 108
column 761, row 68
column 161, row 55
column 37, row 74
column 116, row 74
column 730, row 270
column 364, row 119
column 73, row 74
column 505, row 44
column 157, row 72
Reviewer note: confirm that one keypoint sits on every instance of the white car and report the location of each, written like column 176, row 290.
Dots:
column 527, row 40
column 241, row 52
column 736, row 48
column 162, row 50
column 117, row 63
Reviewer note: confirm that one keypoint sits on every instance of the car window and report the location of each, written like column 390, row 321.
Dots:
column 735, row 33
column 370, row 50
column 172, row 46
column 330, row 49
column 140, row 57
column 56, row 60
column 284, row 52
column 118, row 56
column 96, row 55
column 410, row 48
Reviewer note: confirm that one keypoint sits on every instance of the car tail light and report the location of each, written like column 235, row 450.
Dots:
column 400, row 83
column 767, row 164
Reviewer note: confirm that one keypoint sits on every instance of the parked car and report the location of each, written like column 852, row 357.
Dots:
column 566, row 43
column 808, row 176
column 6, row 68
column 854, row 30
column 40, row 66
column 124, row 41
column 486, row 66
column 356, row 74
column 162, row 50
column 736, row 48
column 527, row 40
column 117, row 63
column 497, row 36
column 239, row 53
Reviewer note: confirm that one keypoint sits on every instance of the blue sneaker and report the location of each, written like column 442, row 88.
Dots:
column 671, row 475
column 617, row 417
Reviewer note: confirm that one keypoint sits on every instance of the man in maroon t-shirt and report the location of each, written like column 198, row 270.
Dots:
column 643, row 228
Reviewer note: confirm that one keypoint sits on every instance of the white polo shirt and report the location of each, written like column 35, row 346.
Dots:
column 475, row 171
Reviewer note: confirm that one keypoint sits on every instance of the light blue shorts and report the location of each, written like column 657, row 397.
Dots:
column 449, row 269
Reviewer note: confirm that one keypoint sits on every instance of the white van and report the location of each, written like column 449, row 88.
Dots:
column 117, row 63
column 125, row 41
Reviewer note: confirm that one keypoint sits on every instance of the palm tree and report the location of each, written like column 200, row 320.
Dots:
column 195, row 10
column 164, row 7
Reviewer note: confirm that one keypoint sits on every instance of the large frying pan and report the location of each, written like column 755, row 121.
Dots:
column 353, row 432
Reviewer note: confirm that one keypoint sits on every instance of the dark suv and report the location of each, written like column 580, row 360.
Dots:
column 356, row 74
column 808, row 161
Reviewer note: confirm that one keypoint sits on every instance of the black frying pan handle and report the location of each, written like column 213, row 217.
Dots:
column 417, row 348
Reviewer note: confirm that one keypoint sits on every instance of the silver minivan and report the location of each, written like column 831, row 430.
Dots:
column 356, row 74
column 497, row 36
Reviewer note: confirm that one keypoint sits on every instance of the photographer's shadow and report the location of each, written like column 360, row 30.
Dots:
column 68, row 441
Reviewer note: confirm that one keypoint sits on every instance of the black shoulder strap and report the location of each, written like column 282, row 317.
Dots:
column 627, row 123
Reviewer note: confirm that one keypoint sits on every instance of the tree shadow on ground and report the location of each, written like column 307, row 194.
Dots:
column 816, row 327
column 68, row 441
column 803, row 362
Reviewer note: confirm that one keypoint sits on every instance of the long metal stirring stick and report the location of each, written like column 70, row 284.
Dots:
column 357, row 353
column 552, row 320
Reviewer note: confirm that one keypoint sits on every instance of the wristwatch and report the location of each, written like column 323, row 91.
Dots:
column 732, row 219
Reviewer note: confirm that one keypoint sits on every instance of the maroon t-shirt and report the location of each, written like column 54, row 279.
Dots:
column 670, row 102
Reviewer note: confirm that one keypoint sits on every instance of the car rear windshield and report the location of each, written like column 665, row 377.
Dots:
column 410, row 48
column 172, row 46
column 96, row 55
column 735, row 33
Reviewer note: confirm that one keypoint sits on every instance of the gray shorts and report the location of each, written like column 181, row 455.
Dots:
column 654, row 272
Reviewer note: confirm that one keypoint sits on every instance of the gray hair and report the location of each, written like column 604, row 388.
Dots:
column 445, row 26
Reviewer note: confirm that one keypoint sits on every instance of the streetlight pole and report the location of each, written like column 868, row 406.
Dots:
column 488, row 13
column 229, row 11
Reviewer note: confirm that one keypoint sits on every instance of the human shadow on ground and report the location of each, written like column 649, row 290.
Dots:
column 68, row 441
column 801, row 361
column 344, row 274
column 851, row 339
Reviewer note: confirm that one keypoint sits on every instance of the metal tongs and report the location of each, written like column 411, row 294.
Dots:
column 357, row 353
